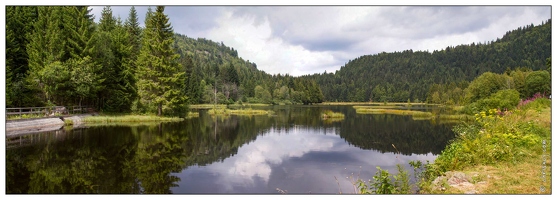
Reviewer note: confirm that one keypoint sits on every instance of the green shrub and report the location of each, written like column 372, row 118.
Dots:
column 386, row 183
column 502, row 99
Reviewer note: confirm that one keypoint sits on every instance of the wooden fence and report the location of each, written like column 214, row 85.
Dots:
column 37, row 112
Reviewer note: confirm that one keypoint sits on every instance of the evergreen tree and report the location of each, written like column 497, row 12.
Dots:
column 160, row 77
column 134, row 31
column 191, row 88
column 46, row 46
column 134, row 36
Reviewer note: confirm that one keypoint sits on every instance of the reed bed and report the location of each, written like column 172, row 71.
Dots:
column 207, row 106
column 328, row 114
column 413, row 113
column 129, row 118
column 248, row 111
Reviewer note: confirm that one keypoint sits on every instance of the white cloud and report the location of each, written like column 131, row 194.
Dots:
column 255, row 42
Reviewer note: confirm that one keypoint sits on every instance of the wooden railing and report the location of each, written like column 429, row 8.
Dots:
column 37, row 112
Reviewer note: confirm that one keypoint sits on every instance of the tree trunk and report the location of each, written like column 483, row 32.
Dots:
column 160, row 109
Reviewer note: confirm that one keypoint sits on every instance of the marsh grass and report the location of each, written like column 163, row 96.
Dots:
column 247, row 111
column 376, row 107
column 222, row 106
column 462, row 117
column 413, row 113
column 192, row 114
column 207, row 106
column 329, row 114
column 372, row 103
column 68, row 122
column 247, row 105
column 129, row 118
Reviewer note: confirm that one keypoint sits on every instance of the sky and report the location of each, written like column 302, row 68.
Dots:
column 301, row 40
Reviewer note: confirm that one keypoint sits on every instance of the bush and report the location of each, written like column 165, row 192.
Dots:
column 502, row 99
column 386, row 183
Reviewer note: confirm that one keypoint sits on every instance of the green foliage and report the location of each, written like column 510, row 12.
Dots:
column 492, row 139
column 519, row 81
column 502, row 100
column 84, row 77
column 537, row 104
column 19, row 24
column 538, row 82
column 160, row 78
column 386, row 183
column 263, row 95
column 485, row 85
column 328, row 114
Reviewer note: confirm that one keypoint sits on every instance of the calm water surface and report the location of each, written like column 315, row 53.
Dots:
column 294, row 151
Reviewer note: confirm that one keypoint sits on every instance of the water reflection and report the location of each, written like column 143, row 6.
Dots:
column 294, row 151
column 307, row 162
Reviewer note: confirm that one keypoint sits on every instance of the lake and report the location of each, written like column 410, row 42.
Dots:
column 293, row 151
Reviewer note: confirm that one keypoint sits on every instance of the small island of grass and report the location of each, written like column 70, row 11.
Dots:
column 328, row 114
column 129, row 118
column 413, row 113
column 249, row 111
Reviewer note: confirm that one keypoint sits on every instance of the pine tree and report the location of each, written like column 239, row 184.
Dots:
column 134, row 32
column 191, row 88
column 160, row 77
column 46, row 46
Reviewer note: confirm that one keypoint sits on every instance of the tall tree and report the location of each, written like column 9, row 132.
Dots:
column 46, row 46
column 19, row 24
column 133, row 29
column 160, row 77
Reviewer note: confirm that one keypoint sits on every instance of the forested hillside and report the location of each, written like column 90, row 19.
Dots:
column 237, row 79
column 58, row 55
column 409, row 75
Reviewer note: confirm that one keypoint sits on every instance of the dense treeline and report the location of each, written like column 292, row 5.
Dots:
column 58, row 55
column 409, row 75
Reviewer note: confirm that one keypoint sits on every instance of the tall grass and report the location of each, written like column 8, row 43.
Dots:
column 375, row 107
column 413, row 113
column 207, row 106
column 505, row 143
column 128, row 118
column 329, row 114
column 247, row 111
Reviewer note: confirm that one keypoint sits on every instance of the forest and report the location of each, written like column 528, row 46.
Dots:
column 58, row 55
column 417, row 75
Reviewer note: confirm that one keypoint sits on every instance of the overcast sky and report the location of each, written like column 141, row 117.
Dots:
column 302, row 40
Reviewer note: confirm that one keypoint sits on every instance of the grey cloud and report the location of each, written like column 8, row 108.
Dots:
column 191, row 20
column 420, row 22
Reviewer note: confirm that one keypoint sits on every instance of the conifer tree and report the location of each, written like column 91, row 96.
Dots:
column 134, row 33
column 160, row 77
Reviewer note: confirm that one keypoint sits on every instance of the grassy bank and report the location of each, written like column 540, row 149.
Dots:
column 413, row 113
column 207, row 106
column 248, row 111
column 372, row 103
column 221, row 106
column 129, row 118
column 502, row 153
